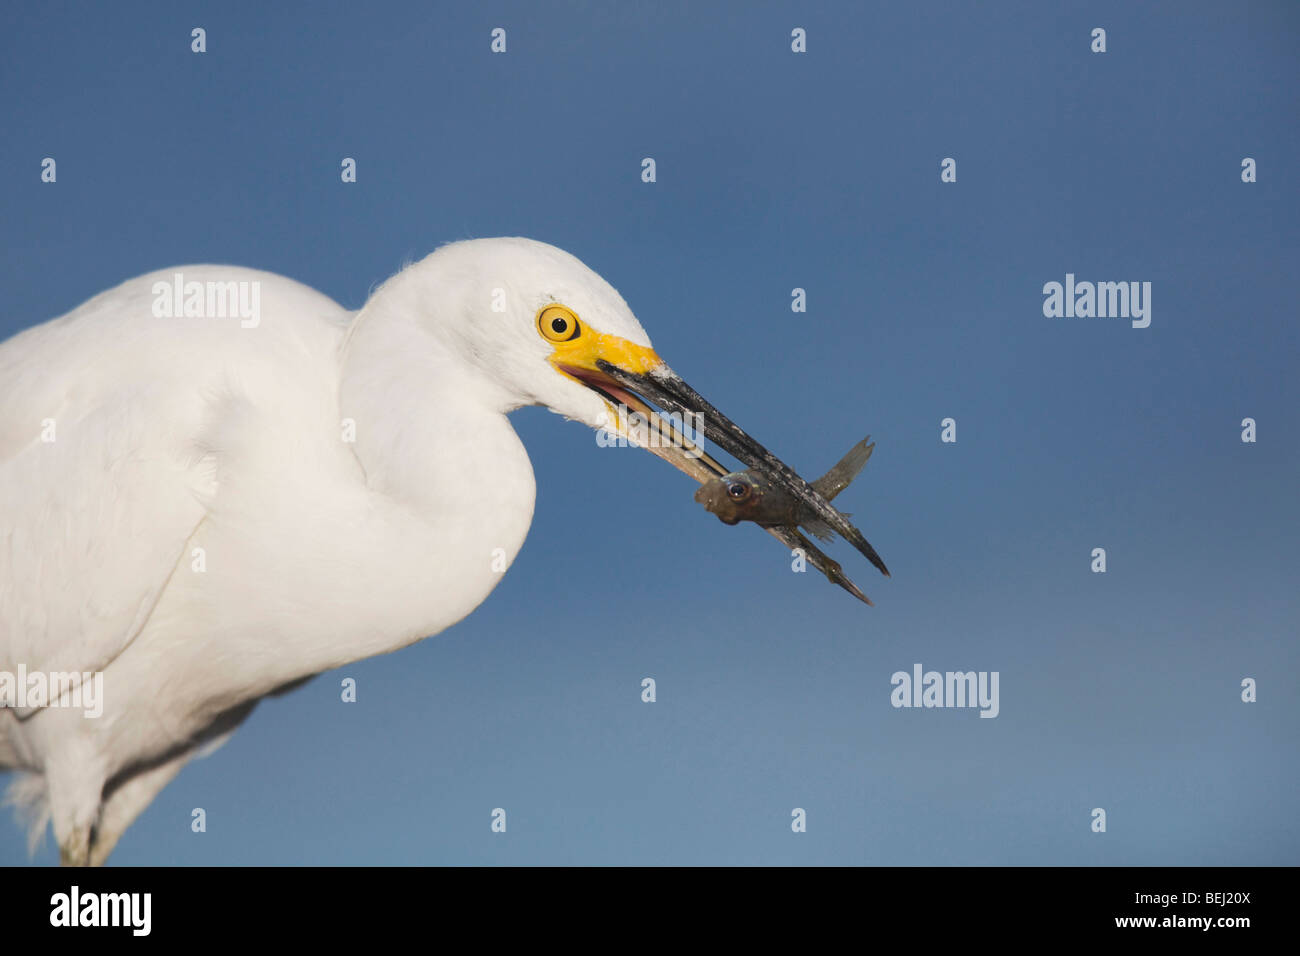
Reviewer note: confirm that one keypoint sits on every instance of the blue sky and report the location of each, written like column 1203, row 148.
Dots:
column 775, row 170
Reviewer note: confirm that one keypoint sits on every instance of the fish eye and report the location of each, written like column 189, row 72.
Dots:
column 558, row 324
column 738, row 490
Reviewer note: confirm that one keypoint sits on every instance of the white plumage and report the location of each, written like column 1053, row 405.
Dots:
column 201, row 531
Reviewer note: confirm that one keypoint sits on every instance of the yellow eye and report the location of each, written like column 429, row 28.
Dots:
column 558, row 324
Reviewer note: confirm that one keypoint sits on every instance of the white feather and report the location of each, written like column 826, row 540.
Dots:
column 179, row 434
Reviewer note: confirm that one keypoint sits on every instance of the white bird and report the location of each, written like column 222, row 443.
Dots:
column 209, row 510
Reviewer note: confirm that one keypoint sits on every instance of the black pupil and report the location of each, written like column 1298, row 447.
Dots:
column 559, row 326
column 736, row 490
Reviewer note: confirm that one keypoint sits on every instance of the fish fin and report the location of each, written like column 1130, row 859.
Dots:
column 846, row 469
column 819, row 529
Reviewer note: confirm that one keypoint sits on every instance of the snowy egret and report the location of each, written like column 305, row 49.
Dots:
column 199, row 510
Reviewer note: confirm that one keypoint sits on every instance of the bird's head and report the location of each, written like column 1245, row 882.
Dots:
column 541, row 328
column 536, row 321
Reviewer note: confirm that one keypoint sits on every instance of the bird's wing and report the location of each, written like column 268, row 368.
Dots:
column 94, row 513
column 91, row 535
column 104, row 473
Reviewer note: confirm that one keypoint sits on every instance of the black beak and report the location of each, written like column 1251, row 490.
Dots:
column 665, row 388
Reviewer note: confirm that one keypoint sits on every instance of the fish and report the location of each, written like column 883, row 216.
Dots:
column 749, row 496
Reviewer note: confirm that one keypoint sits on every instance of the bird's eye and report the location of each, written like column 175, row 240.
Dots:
column 738, row 490
column 558, row 324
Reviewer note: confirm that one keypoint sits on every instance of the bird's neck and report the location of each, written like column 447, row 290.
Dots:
column 447, row 477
